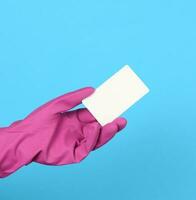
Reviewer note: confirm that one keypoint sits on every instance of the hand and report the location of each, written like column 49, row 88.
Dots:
column 54, row 135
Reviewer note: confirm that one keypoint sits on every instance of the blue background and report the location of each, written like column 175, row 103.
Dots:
column 48, row 48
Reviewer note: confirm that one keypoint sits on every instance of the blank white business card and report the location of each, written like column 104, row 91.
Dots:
column 115, row 95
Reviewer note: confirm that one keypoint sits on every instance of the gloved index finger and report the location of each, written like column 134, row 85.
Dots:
column 71, row 99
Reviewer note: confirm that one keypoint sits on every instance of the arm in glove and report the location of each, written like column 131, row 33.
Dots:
column 53, row 135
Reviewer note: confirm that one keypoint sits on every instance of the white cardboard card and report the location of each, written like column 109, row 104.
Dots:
column 115, row 95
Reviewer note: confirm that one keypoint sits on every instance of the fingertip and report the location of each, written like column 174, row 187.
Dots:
column 89, row 89
column 121, row 123
column 82, row 93
column 85, row 92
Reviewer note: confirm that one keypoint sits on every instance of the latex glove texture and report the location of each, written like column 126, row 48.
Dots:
column 54, row 135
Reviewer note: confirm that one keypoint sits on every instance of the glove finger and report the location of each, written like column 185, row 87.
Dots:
column 91, row 134
column 71, row 99
column 85, row 116
column 110, row 130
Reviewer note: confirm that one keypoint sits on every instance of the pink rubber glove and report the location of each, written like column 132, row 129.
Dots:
column 52, row 135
